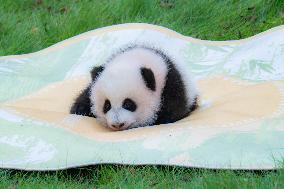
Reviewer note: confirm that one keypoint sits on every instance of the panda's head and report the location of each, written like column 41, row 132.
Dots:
column 127, row 92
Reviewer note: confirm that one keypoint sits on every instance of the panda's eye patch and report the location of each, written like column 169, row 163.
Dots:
column 107, row 106
column 129, row 104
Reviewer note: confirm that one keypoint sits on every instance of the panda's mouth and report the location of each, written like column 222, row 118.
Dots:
column 119, row 128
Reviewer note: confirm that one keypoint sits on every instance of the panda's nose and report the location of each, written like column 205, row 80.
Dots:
column 118, row 125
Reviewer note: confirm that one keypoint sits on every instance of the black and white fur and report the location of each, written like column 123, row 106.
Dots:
column 137, row 86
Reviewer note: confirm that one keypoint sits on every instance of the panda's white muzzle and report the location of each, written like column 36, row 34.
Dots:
column 118, row 119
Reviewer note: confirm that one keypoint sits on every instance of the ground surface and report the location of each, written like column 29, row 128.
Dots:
column 30, row 25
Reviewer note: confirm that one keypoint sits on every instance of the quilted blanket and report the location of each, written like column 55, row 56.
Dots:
column 239, row 124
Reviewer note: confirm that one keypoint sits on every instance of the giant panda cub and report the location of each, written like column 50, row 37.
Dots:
column 138, row 86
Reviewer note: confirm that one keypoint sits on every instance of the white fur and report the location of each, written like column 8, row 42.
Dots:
column 122, row 79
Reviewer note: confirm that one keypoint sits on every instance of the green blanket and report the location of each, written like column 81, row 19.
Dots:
column 239, row 124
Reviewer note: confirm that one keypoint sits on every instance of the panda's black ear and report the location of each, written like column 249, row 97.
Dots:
column 96, row 71
column 149, row 78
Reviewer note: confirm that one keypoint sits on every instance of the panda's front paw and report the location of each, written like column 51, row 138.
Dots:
column 81, row 109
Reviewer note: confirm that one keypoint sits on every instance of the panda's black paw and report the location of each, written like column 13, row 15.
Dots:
column 81, row 109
